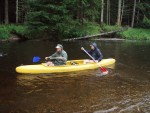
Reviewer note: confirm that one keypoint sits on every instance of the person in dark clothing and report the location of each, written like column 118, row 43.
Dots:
column 94, row 52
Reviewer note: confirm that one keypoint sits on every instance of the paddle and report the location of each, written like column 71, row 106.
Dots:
column 36, row 59
column 103, row 70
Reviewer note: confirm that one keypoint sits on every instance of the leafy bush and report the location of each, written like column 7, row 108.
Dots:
column 17, row 29
column 58, row 18
column 88, row 28
column 6, row 30
column 47, row 18
column 146, row 22
column 136, row 34
column 4, row 33
column 107, row 28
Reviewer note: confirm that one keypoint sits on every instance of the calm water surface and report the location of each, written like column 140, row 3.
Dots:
column 125, row 90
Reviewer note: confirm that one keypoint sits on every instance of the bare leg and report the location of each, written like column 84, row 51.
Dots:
column 49, row 64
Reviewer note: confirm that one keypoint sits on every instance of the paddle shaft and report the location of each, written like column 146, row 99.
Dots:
column 89, row 55
column 102, row 69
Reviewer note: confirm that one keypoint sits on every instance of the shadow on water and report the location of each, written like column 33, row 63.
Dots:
column 124, row 90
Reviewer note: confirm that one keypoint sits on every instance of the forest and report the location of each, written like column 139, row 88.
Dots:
column 59, row 19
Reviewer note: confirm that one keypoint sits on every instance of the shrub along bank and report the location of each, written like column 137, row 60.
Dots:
column 87, row 28
column 7, row 30
column 135, row 34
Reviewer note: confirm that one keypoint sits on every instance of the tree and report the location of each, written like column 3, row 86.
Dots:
column 16, row 11
column 138, row 12
column 6, row 12
column 133, row 15
column 78, row 10
column 119, row 13
column 143, row 13
column 91, row 10
column 62, row 17
column 48, row 18
column 122, row 11
column 108, row 11
column 102, row 12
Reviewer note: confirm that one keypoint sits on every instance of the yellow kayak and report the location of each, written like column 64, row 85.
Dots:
column 69, row 67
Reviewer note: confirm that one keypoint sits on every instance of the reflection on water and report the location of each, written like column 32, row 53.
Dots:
column 124, row 90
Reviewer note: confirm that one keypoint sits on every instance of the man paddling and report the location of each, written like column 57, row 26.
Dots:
column 94, row 52
column 58, row 58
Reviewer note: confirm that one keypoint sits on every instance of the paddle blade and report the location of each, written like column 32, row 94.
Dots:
column 36, row 59
column 104, row 71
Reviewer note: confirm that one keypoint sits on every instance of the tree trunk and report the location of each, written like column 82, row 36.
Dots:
column 82, row 12
column 122, row 11
column 109, row 13
column 138, row 13
column 16, row 11
column 78, row 10
column 6, row 12
column 102, row 12
column 119, row 13
column 133, row 15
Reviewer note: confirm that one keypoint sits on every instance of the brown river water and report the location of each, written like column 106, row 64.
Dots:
column 126, row 89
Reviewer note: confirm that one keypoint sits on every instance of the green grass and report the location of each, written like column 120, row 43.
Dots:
column 107, row 28
column 4, row 33
column 6, row 30
column 135, row 34
column 88, row 28
column 94, row 28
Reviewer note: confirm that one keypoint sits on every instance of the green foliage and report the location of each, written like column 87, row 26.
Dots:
column 74, row 18
column 60, row 19
column 47, row 18
column 146, row 22
column 145, row 7
column 92, row 10
column 135, row 34
column 88, row 28
column 17, row 29
column 107, row 28
column 5, row 30
column 4, row 33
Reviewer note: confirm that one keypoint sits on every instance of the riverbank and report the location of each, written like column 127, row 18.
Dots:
column 135, row 34
column 20, row 32
column 12, row 32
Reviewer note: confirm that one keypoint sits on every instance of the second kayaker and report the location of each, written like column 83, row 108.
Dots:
column 94, row 52
column 58, row 58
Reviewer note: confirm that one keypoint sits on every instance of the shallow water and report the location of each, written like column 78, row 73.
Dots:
column 124, row 90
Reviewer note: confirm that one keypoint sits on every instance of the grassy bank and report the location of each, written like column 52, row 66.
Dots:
column 88, row 28
column 92, row 29
column 135, row 34
column 6, row 30
column 84, row 30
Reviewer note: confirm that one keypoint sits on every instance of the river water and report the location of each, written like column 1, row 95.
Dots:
column 126, row 89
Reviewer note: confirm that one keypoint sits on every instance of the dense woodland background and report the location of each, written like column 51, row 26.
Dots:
column 73, row 18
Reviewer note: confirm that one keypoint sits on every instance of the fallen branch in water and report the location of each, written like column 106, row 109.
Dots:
column 92, row 36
